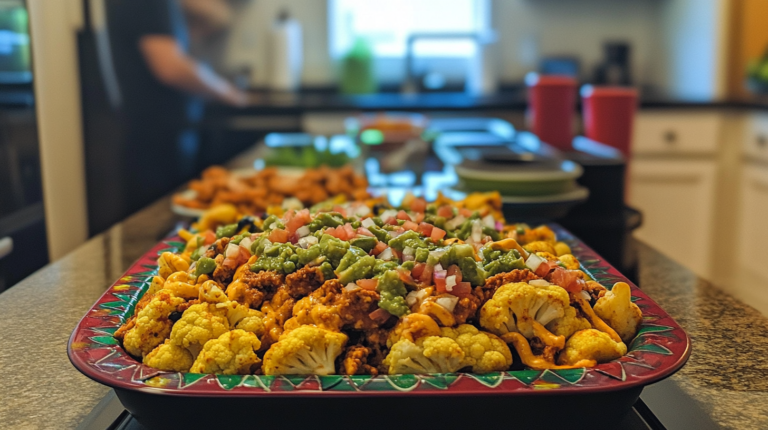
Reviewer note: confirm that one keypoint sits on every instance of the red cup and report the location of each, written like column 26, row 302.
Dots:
column 551, row 102
column 609, row 113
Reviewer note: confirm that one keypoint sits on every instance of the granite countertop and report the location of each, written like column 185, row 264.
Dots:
column 724, row 376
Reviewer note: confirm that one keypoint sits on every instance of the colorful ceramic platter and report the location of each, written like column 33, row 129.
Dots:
column 660, row 348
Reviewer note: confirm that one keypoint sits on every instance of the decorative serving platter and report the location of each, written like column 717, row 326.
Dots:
column 660, row 348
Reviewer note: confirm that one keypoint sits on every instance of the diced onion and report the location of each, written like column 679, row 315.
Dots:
column 232, row 251
column 303, row 231
column 437, row 255
column 450, row 282
column 362, row 211
column 385, row 255
column 584, row 295
column 415, row 297
column 246, row 243
column 438, row 267
column 395, row 233
column 368, row 222
column 409, row 254
column 447, row 301
column 477, row 231
column 306, row 242
column 539, row 283
column 351, row 286
column 534, row 261
column 489, row 222
column 452, row 224
column 387, row 214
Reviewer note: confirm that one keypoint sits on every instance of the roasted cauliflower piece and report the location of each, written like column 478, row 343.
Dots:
column 591, row 345
column 170, row 357
column 618, row 311
column 182, row 284
column 483, row 352
column 431, row 354
column 170, row 263
column 568, row 324
column 540, row 246
column 156, row 285
column 334, row 307
column 526, row 309
column 152, row 324
column 562, row 248
column 199, row 324
column 570, row 262
column 232, row 353
column 253, row 322
column 413, row 327
column 306, row 350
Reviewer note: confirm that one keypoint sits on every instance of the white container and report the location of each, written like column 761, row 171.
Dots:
column 285, row 54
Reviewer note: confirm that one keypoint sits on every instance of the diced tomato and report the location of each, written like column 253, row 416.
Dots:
column 437, row 234
column 410, row 225
column 368, row 284
column 278, row 235
column 244, row 255
column 230, row 263
column 440, row 284
column 403, row 216
column 426, row 229
column 418, row 269
column 545, row 267
column 296, row 221
column 293, row 238
column 391, row 221
column 340, row 210
column 454, row 270
column 426, row 276
column 362, row 231
column 445, row 211
column 567, row 279
column 405, row 276
column 210, row 237
column 466, row 212
column 419, row 205
column 462, row 289
column 418, row 217
column 379, row 248
column 380, row 316
column 350, row 232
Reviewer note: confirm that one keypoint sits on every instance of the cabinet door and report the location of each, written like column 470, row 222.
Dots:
column 676, row 132
column 677, row 201
column 753, row 225
column 756, row 138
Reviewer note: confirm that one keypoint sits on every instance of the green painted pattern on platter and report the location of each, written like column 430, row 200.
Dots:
column 335, row 383
column 490, row 380
column 229, row 382
column 571, row 375
column 525, row 376
column 105, row 340
column 650, row 347
column 441, row 381
column 403, row 382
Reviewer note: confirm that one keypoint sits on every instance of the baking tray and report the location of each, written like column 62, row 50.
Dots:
column 576, row 398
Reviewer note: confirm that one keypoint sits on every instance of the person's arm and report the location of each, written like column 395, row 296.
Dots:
column 173, row 67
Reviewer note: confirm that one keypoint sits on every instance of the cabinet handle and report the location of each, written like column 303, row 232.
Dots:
column 762, row 141
column 670, row 137
column 6, row 246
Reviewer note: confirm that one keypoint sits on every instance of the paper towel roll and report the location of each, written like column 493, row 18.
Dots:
column 285, row 55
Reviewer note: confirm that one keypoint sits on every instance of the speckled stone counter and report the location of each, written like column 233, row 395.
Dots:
column 725, row 375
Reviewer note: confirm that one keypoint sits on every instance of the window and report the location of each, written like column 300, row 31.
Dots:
column 387, row 25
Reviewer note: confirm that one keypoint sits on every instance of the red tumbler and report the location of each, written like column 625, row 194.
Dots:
column 609, row 113
column 551, row 103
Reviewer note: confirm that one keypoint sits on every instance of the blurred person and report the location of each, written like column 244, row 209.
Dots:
column 162, row 89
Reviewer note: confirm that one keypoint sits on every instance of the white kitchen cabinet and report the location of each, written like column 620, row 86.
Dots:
column 755, row 143
column 676, row 132
column 753, row 222
column 677, row 199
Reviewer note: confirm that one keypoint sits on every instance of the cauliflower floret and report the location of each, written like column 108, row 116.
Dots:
column 591, row 345
column 170, row 263
column 199, row 324
column 233, row 353
column 253, row 322
column 431, row 354
column 211, row 292
column 152, row 324
column 413, row 327
column 562, row 248
column 169, row 357
column 306, row 350
column 540, row 246
column 483, row 352
column 570, row 262
column 182, row 284
column 523, row 308
column 568, row 324
column 618, row 311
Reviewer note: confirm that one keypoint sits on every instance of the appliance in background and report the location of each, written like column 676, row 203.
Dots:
column 616, row 67
column 285, row 53
column 23, row 243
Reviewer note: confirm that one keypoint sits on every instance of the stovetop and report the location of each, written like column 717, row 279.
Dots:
column 662, row 406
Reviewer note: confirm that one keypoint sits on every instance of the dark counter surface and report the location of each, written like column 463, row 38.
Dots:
column 724, row 377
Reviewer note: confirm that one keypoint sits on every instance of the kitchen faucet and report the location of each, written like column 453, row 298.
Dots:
column 480, row 79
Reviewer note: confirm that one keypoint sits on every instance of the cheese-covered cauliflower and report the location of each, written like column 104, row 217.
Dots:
column 562, row 248
column 170, row 263
column 413, row 327
column 232, row 353
column 306, row 350
column 568, row 324
column 199, row 324
column 570, row 262
column 156, row 285
column 618, row 311
column 540, row 246
column 431, row 354
column 483, row 352
column 524, row 308
column 591, row 345
column 253, row 322
column 182, row 284
column 152, row 324
column 169, row 357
